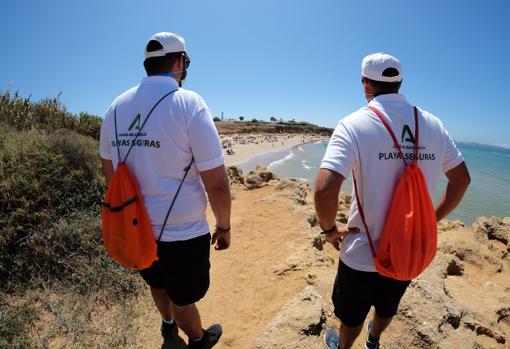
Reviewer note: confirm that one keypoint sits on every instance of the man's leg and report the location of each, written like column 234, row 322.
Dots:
column 379, row 324
column 352, row 299
column 186, row 264
column 163, row 303
column 386, row 305
column 188, row 319
column 348, row 335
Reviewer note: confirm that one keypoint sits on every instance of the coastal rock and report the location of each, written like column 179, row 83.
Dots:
column 455, row 267
column 342, row 217
column 299, row 191
column 446, row 225
column 464, row 250
column 312, row 218
column 298, row 325
column 448, row 305
column 344, row 199
column 263, row 173
column 253, row 181
column 235, row 175
column 344, row 204
column 311, row 256
column 492, row 228
column 318, row 242
column 259, row 177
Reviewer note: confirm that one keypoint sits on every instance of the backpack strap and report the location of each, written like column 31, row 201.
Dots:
column 116, row 133
column 416, row 135
column 175, row 197
column 392, row 134
column 383, row 120
column 141, row 128
column 362, row 214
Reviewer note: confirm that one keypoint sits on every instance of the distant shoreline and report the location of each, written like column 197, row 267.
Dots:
column 246, row 152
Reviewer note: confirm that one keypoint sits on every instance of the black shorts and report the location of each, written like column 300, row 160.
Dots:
column 356, row 291
column 182, row 269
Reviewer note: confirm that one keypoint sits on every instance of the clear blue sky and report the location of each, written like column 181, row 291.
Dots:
column 283, row 58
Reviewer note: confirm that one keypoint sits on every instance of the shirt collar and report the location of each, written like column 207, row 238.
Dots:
column 390, row 98
column 160, row 79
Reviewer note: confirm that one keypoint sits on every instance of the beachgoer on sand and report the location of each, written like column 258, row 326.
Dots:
column 361, row 143
column 179, row 135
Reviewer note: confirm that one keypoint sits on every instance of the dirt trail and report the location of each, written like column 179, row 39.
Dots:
column 245, row 292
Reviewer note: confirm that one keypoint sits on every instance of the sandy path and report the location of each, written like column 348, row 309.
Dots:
column 245, row 294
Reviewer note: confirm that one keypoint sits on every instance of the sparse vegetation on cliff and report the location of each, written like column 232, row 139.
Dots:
column 53, row 265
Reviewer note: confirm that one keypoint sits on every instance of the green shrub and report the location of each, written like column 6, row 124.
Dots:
column 14, row 321
column 52, row 263
column 48, row 114
column 50, row 194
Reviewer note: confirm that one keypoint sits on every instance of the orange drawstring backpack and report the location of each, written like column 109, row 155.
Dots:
column 127, row 231
column 408, row 241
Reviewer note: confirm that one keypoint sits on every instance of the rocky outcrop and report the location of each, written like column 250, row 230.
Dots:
column 459, row 301
column 235, row 175
column 258, row 177
column 299, row 190
column 298, row 325
column 493, row 228
column 462, row 300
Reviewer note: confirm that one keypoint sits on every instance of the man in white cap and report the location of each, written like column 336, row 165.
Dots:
column 362, row 144
column 167, row 137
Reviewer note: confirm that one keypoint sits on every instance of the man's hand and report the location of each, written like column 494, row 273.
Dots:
column 336, row 237
column 221, row 238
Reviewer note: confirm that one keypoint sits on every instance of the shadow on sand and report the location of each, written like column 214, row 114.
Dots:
column 174, row 343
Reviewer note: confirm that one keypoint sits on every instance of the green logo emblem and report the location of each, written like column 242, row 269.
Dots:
column 136, row 122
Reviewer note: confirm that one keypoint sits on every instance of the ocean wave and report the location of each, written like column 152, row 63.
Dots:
column 500, row 154
column 277, row 163
column 300, row 148
column 492, row 175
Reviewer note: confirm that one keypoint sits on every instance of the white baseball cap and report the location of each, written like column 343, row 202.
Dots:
column 171, row 43
column 381, row 67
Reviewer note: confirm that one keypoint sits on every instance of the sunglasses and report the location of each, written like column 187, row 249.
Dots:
column 187, row 60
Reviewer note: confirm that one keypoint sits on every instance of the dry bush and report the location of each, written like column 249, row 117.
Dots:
column 58, row 286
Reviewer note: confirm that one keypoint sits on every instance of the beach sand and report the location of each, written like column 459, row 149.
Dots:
column 250, row 149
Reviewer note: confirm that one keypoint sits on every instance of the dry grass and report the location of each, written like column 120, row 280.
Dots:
column 59, row 288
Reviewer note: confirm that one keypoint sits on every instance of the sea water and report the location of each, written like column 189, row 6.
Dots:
column 489, row 166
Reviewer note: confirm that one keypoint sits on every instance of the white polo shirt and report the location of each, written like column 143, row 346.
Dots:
column 361, row 143
column 180, row 127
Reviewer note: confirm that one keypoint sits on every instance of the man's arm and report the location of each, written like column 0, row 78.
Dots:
column 458, row 182
column 327, row 188
column 218, row 190
column 107, row 169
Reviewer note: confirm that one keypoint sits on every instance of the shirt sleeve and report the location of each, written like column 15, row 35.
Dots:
column 452, row 156
column 340, row 155
column 205, row 141
column 104, row 141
